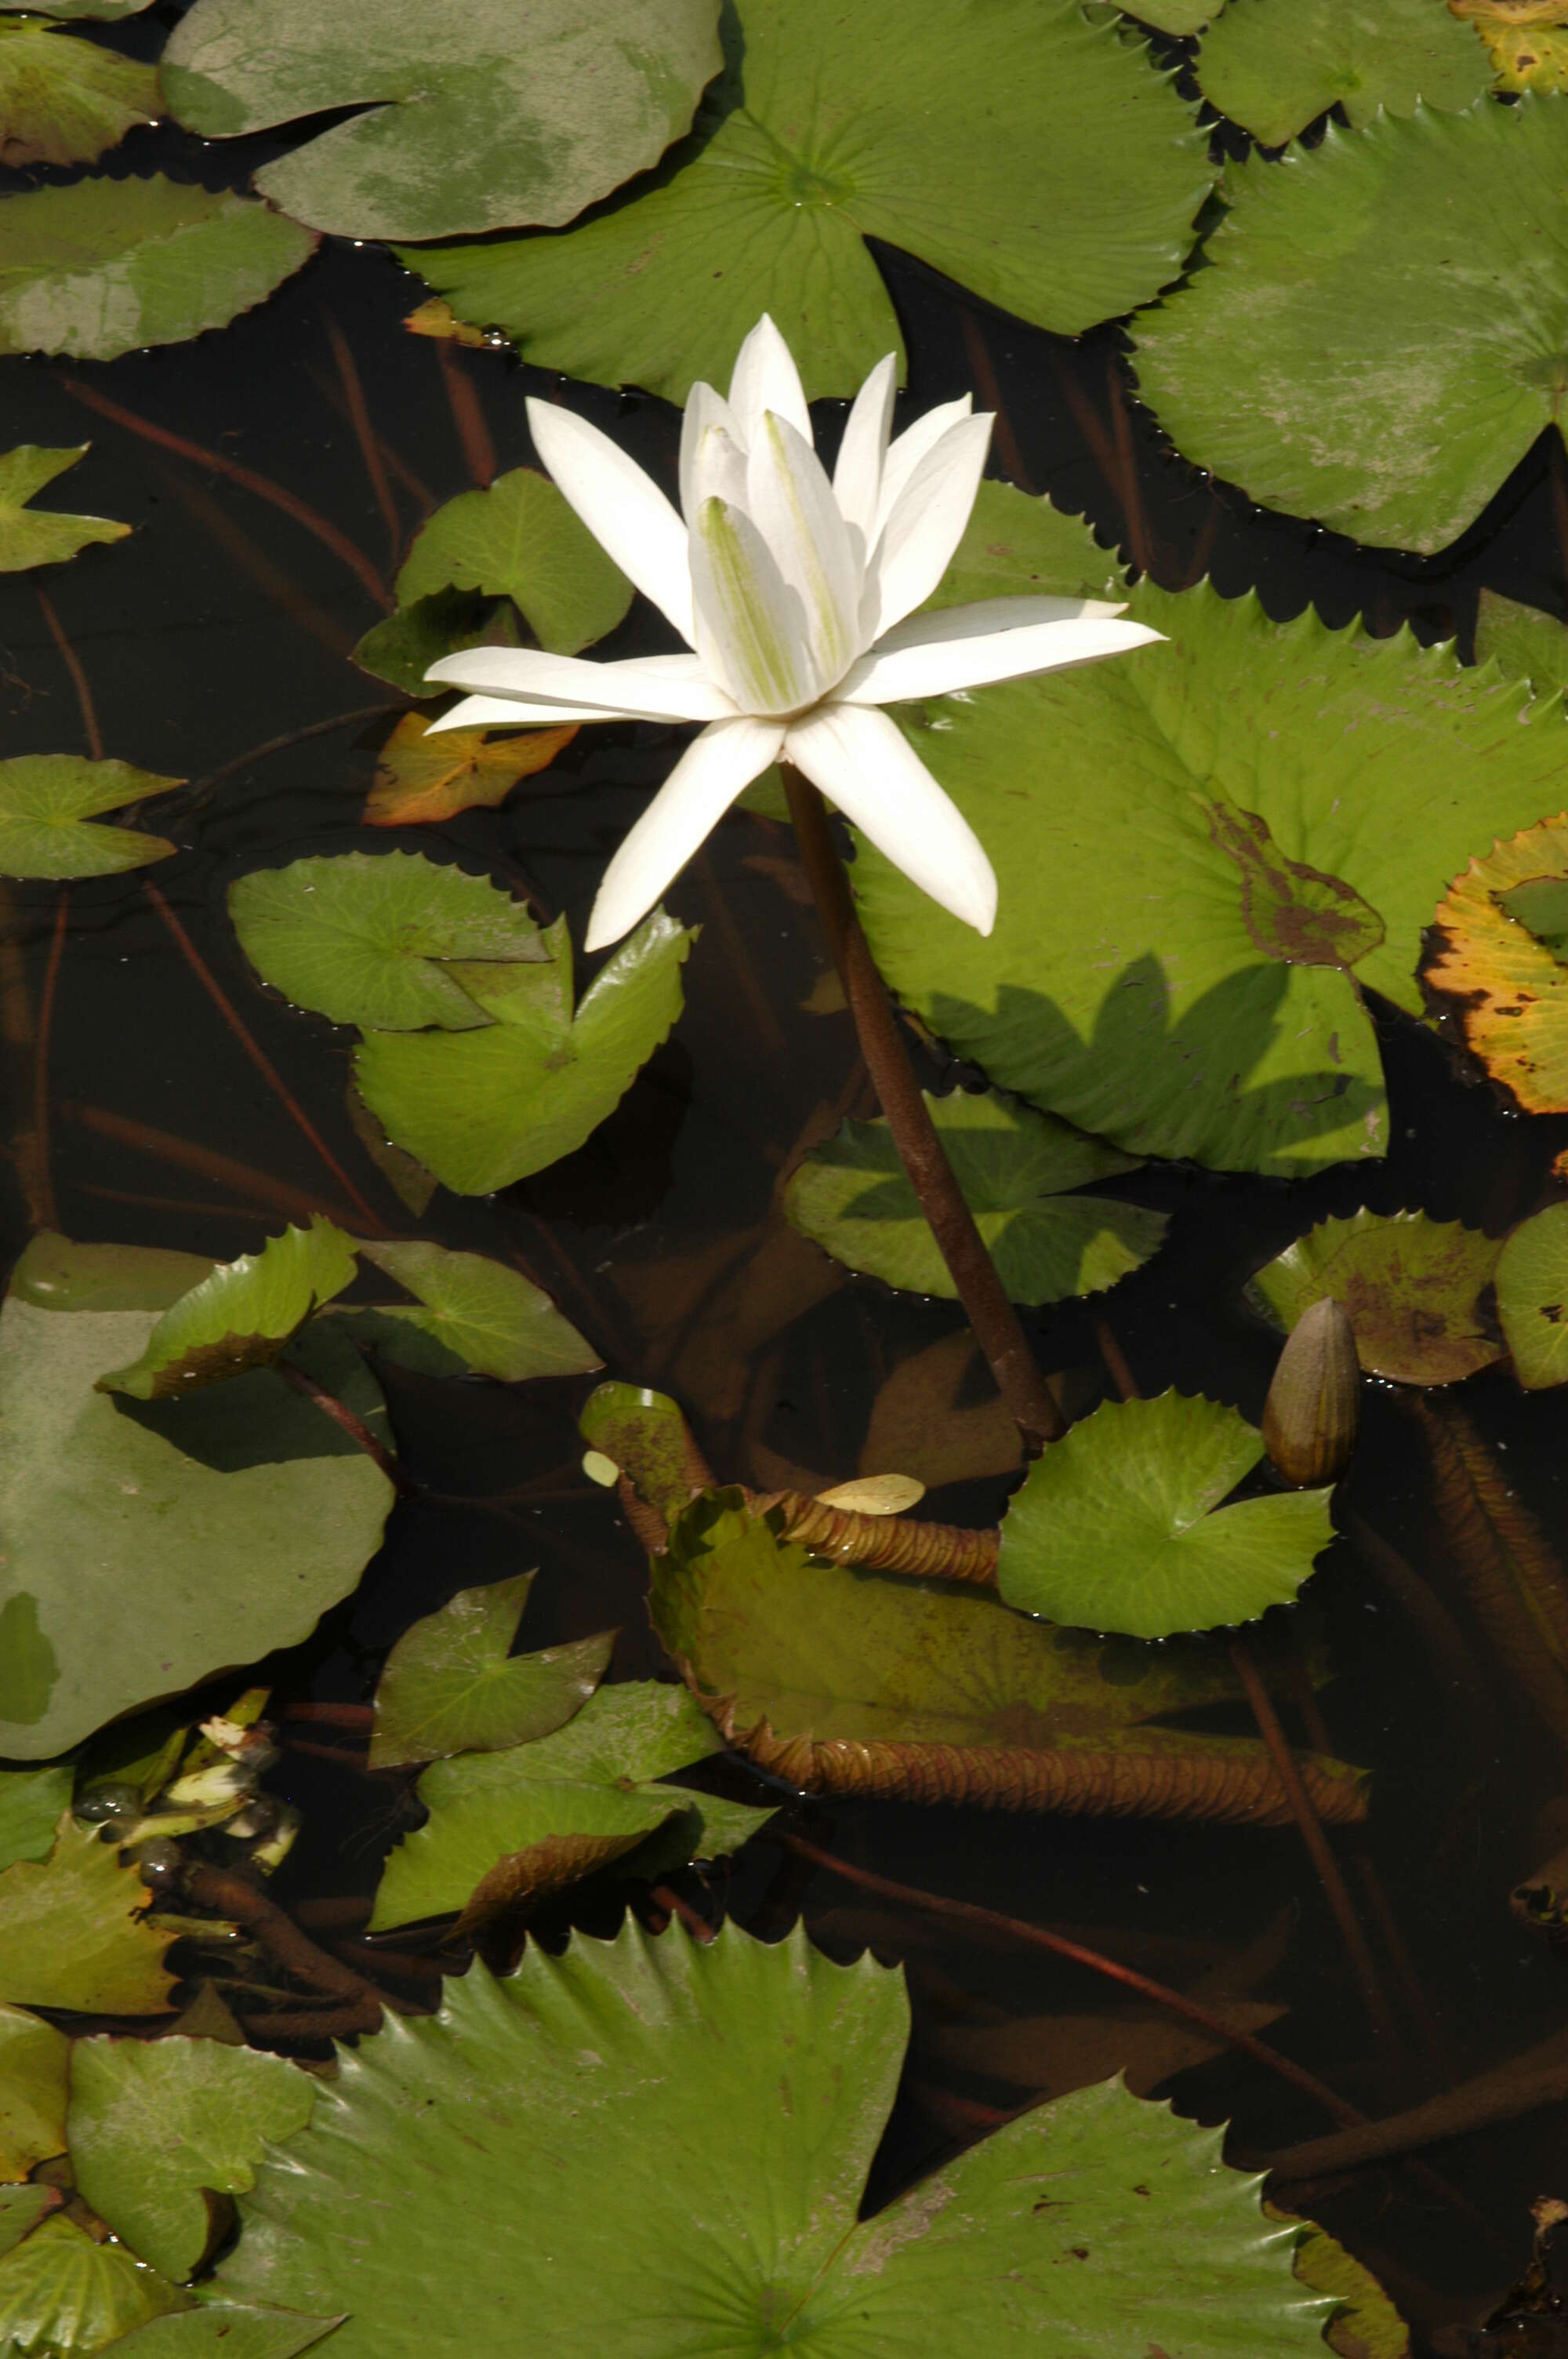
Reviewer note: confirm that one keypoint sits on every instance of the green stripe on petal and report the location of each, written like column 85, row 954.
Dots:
column 749, row 625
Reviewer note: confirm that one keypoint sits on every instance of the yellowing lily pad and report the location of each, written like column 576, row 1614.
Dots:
column 71, row 1934
column 49, row 804
column 240, row 1316
column 1275, row 66
column 1414, row 1290
column 1533, row 1297
column 451, row 1683
column 1528, row 43
column 421, row 780
column 1500, row 936
column 63, row 99
column 30, row 535
column 519, row 539
column 34, row 2068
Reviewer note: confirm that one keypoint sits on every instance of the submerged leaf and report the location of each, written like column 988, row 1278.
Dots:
column 63, row 2296
column 49, row 803
column 1499, row 941
column 35, row 2069
column 241, row 1316
column 1274, row 65
column 63, row 99
column 1533, row 1297
column 1412, row 1289
column 475, row 1313
column 30, row 535
column 421, row 780
column 1367, row 2325
column 519, row 539
column 72, row 1935
column 452, row 1685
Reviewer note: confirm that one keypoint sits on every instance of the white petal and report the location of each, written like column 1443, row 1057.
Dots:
column 908, row 449
column 857, row 471
column 935, row 666
column 648, row 687
column 749, row 625
column 712, row 771
column 622, row 508
column 767, row 378
column 862, row 762
column 980, row 617
column 924, row 527
column 712, row 455
column 506, row 712
column 791, row 502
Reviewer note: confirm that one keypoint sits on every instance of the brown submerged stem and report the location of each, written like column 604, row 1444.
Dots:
column 992, row 1316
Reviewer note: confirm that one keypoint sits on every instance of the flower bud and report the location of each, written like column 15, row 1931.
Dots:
column 1314, row 1410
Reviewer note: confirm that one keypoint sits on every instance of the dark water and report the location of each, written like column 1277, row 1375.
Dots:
column 224, row 624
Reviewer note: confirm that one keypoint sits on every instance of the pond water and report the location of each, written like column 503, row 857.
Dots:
column 158, row 1093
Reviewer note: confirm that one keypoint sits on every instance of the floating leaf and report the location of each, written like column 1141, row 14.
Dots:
column 21, row 2209
column 241, row 1316
column 1521, row 640
column 1064, row 194
column 421, row 780
column 35, row 2067
column 373, row 938
column 1499, row 942
column 1367, row 2325
column 856, row 1682
column 1275, row 66
column 482, row 1109
column 478, row 1314
column 506, row 1827
column 687, row 2132
column 31, row 536
column 642, row 1434
column 49, row 803
column 158, row 2126
column 72, row 1935
column 519, row 539
column 452, row 1685
column 112, row 9
column 146, row 1545
column 1014, row 1165
column 1193, row 901
column 30, row 1803
column 487, row 126
column 1533, row 1297
column 101, row 266
column 1442, row 375
column 403, row 646
column 874, row 1495
column 58, row 1274
column 1528, row 45
column 1118, row 1525
column 63, row 2296
column 226, row 2330
column 1412, row 1287
column 1015, row 545
column 62, row 99
column 1178, row 17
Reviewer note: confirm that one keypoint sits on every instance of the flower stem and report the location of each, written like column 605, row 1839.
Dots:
column 995, row 1322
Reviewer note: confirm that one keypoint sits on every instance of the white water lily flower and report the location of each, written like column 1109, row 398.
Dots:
column 792, row 593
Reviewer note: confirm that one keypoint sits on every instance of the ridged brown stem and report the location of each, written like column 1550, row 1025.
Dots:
column 356, row 1428
column 991, row 1315
column 227, row 1894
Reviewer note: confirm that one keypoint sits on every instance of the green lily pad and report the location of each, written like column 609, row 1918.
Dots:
column 1065, row 194
column 1014, row 1165
column 102, row 9
column 1521, row 641
column 71, row 1934
column 1193, row 900
column 482, row 1109
column 687, row 2132
column 642, row 1433
column 21, row 2209
column 35, row 2071
column 382, row 939
column 1412, row 1287
column 31, row 536
column 1351, row 352
column 1533, row 1297
column 403, row 647
column 487, row 126
column 226, row 2330
column 1016, row 546
column 146, row 1545
column 850, row 1680
column 520, row 540
column 102, row 266
column 1367, row 2325
column 452, row 1685
column 1275, row 66
column 54, row 1273
column 1118, row 1525
column 63, row 2296
column 63, row 99
column 30, row 1803
column 1179, row 17
column 49, row 803
column 157, row 2125
column 241, row 1316
column 475, row 1313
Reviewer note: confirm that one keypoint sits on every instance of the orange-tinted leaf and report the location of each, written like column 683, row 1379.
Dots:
column 422, row 779
column 1501, row 934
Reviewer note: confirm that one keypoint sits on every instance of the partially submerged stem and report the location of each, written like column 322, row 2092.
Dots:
column 995, row 1322
column 356, row 1428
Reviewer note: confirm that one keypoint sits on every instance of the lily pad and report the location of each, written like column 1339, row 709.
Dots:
column 1350, row 352
column 491, row 124
column 31, row 536
column 63, row 2296
column 158, row 2126
column 109, row 10
column 1275, row 66
column 1119, row 1527
column 1524, row 56
column 519, row 539
column 48, row 804
column 452, row 1685
column 1412, row 1289
column 1499, row 941
column 30, row 1803
column 62, row 99
column 1181, row 17
column 505, row 1828
column 240, row 1316
column 72, row 1932
column 101, row 266
column 1016, row 546
column 1367, row 2325
column 35, row 2069
column 421, row 780
column 1521, row 640
column 1065, row 193
column 476, row 1313
column 381, row 939
column 847, row 1680
column 403, row 646
column 688, row 2133
column 482, row 1109
column 21, row 2209
column 1014, row 1165
column 147, row 1545
column 226, row 2330
column 1533, row 1297
column 1194, row 896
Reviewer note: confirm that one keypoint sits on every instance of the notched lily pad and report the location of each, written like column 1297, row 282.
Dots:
column 35, row 2073
column 404, row 645
column 242, row 1316
column 62, row 2292
column 1533, row 1297
column 30, row 535
column 49, row 804
column 1521, row 640
column 451, row 1683
column 71, row 1934
column 30, row 1803
column 421, row 780
column 473, row 1313
column 1414, row 1290
column 519, row 539
column 64, row 100
column 1275, row 66
column 1498, row 944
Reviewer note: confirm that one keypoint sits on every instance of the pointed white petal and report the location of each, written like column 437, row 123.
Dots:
column 659, row 687
column 862, row 762
column 857, row 471
column 925, row 525
column 981, row 616
column 505, row 713
column 622, row 508
column 749, row 625
column 791, row 502
column 767, row 378
column 712, row 456
column 938, row 666
column 712, row 771
column 909, row 448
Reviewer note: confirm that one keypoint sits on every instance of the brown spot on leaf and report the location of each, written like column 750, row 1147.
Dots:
column 1299, row 915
